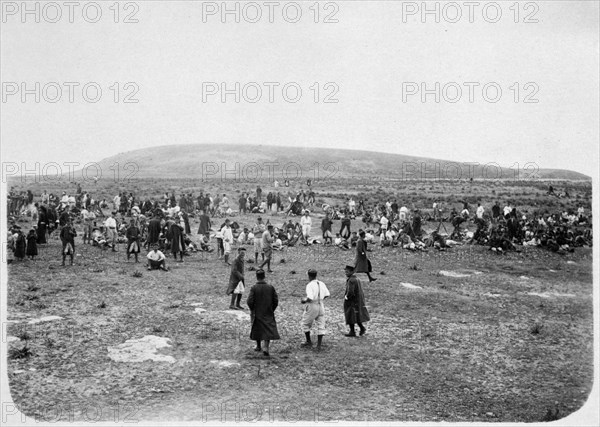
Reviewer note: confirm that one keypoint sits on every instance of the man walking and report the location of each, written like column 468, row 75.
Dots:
column 263, row 301
column 362, row 263
column 355, row 310
column 314, row 311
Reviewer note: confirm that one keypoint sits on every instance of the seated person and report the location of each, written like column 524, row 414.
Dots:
column 156, row 259
column 98, row 237
column 204, row 243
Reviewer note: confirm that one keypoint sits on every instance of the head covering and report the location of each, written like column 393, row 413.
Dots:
column 312, row 272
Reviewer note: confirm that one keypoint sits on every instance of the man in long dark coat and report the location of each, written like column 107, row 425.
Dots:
column 42, row 225
column 355, row 310
column 204, row 223
column 153, row 231
column 177, row 243
column 362, row 264
column 237, row 275
column 263, row 301
column 416, row 225
column 186, row 221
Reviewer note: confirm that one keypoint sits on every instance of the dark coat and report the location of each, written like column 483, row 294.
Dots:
column 41, row 226
column 32, row 249
column 186, row 220
column 263, row 301
column 20, row 245
column 153, row 230
column 355, row 310
column 176, row 234
column 236, row 276
column 204, row 224
column 362, row 264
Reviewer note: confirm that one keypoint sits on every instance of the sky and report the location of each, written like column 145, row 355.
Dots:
column 540, row 103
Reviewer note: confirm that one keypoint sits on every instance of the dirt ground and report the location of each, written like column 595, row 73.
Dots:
column 485, row 337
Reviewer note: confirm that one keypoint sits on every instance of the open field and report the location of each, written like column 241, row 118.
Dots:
column 486, row 337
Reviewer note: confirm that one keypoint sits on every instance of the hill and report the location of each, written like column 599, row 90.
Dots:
column 262, row 162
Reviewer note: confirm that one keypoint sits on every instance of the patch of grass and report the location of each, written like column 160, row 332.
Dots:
column 24, row 335
column 536, row 328
column 20, row 353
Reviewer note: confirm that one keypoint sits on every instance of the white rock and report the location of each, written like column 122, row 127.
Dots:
column 551, row 294
column 196, row 304
column 241, row 315
column 453, row 274
column 410, row 286
column 544, row 295
column 199, row 310
column 571, row 262
column 18, row 371
column 225, row 363
column 140, row 350
column 44, row 319
column 12, row 339
column 488, row 294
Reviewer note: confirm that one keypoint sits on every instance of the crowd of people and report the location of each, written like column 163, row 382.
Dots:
column 162, row 227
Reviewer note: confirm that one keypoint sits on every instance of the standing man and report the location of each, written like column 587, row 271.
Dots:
column 205, row 224
column 326, row 229
column 227, row 240
column 177, row 242
column 496, row 211
column 362, row 264
column 267, row 247
column 236, row 281
column 263, row 301
column 258, row 230
column 153, row 231
column 314, row 311
column 133, row 240
column 111, row 229
column 480, row 211
column 67, row 237
column 383, row 222
column 355, row 310
column 306, row 223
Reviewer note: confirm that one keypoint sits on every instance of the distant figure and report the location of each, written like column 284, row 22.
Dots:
column 263, row 301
